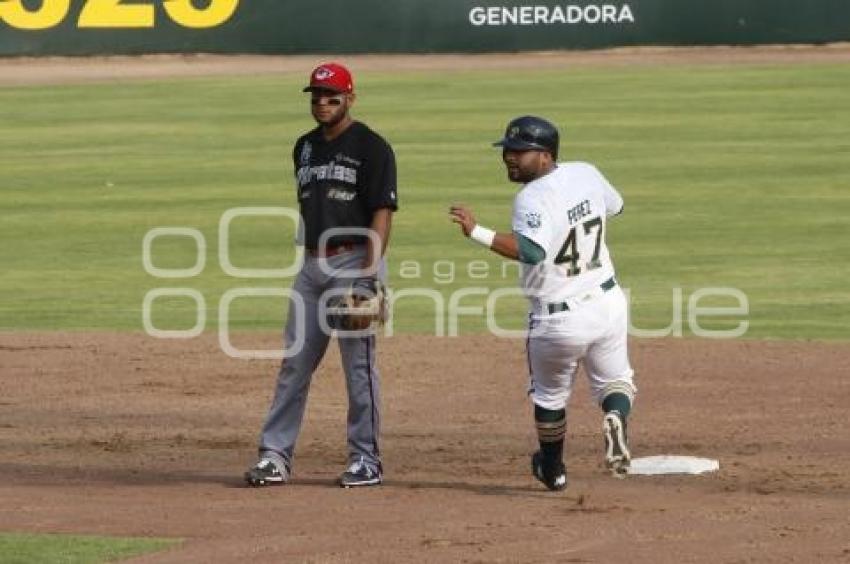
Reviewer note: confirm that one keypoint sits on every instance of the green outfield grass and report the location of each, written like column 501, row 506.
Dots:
column 22, row 548
column 733, row 177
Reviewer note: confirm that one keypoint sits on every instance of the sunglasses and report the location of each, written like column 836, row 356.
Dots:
column 330, row 100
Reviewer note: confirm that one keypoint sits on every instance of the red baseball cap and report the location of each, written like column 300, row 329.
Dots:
column 331, row 76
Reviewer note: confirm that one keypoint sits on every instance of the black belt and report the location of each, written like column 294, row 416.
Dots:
column 564, row 306
column 332, row 251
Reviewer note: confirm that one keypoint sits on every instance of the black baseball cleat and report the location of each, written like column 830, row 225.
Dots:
column 266, row 473
column 617, row 455
column 553, row 478
column 360, row 474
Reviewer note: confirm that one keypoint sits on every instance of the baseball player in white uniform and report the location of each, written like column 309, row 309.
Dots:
column 577, row 310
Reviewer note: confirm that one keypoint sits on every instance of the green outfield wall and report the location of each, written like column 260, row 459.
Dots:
column 85, row 27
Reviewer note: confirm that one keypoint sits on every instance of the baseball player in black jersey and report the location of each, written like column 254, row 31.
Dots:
column 346, row 181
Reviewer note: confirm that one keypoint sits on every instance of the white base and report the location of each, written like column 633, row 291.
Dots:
column 671, row 464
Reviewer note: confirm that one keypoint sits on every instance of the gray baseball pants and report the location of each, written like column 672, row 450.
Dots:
column 283, row 423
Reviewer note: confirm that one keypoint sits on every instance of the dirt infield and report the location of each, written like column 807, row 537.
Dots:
column 122, row 434
column 58, row 70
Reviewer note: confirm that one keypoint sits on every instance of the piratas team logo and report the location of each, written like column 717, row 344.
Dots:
column 323, row 73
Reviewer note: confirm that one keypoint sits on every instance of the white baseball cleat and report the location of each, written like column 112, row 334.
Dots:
column 617, row 455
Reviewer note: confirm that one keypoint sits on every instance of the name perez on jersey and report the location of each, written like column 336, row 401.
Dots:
column 577, row 213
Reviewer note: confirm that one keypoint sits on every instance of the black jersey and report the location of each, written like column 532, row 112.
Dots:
column 343, row 181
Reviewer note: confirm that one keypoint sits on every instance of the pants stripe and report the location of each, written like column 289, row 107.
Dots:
column 372, row 395
column 528, row 356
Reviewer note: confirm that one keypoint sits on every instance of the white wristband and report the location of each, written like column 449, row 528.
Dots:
column 483, row 235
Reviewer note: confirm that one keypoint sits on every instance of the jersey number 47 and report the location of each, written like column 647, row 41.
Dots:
column 569, row 253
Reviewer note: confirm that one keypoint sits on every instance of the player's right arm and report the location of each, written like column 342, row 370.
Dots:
column 514, row 246
column 506, row 244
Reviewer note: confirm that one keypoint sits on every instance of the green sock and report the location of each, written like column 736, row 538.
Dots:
column 551, row 428
column 617, row 402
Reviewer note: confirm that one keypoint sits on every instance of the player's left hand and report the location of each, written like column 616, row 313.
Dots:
column 462, row 215
column 362, row 305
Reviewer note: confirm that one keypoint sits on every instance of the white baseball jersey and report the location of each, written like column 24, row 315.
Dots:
column 565, row 213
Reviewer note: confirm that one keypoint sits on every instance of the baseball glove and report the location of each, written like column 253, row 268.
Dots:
column 361, row 306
